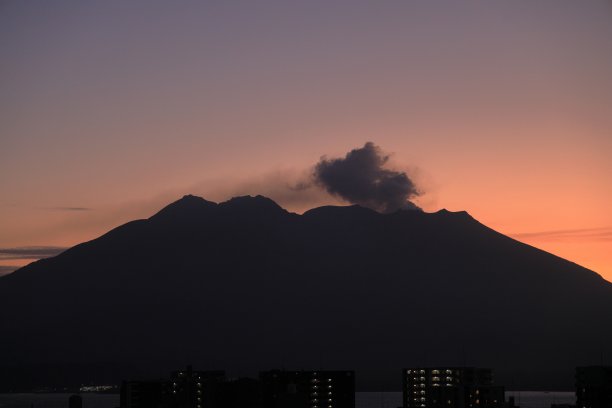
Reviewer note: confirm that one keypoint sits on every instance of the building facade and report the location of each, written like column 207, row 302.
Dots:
column 594, row 387
column 308, row 389
column 456, row 387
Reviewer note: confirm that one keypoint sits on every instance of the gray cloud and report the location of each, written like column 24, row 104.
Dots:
column 29, row 252
column 361, row 177
column 293, row 189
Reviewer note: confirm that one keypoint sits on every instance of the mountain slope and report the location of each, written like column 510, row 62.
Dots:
column 245, row 285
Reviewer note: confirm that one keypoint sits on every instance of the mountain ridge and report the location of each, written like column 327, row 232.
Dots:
column 245, row 283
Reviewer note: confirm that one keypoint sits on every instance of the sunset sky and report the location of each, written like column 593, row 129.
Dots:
column 110, row 110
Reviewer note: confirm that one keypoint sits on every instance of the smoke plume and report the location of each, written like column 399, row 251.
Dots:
column 361, row 178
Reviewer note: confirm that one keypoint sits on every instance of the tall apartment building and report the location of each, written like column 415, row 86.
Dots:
column 450, row 387
column 193, row 389
column 142, row 394
column 594, row 387
column 184, row 389
column 308, row 389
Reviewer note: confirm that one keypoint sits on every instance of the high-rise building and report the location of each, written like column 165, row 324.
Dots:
column 142, row 394
column 594, row 387
column 184, row 389
column 75, row 401
column 450, row 387
column 193, row 389
column 308, row 389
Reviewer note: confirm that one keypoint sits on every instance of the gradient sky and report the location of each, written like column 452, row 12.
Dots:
column 111, row 109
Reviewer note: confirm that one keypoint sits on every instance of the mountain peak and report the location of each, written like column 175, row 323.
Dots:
column 250, row 205
column 248, row 266
column 340, row 210
column 445, row 212
column 188, row 206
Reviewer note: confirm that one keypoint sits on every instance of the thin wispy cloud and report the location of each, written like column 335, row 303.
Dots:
column 30, row 252
column 67, row 208
column 53, row 208
column 569, row 235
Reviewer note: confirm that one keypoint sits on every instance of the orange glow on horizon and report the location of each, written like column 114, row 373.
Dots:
column 502, row 110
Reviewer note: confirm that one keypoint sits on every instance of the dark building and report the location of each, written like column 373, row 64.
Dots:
column 274, row 389
column 142, row 394
column 456, row 387
column 240, row 393
column 594, row 387
column 193, row 389
column 75, row 401
column 308, row 389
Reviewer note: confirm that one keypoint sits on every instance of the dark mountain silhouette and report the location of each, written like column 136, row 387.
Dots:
column 245, row 286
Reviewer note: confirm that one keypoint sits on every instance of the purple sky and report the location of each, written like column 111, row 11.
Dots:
column 111, row 109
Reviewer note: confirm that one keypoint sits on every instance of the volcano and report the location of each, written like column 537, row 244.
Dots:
column 245, row 285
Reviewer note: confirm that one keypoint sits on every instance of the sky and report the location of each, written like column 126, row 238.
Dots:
column 110, row 110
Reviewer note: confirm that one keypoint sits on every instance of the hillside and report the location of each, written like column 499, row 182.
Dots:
column 245, row 286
